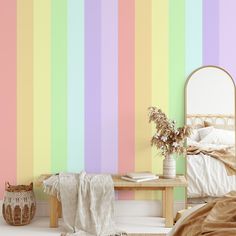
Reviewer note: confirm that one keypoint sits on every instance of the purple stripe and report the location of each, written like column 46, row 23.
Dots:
column 109, row 86
column 92, row 86
column 228, row 36
column 211, row 32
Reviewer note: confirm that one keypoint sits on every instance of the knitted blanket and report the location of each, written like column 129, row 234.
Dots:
column 87, row 203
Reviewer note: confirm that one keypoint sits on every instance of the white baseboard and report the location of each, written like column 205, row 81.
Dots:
column 142, row 208
column 126, row 208
column 122, row 208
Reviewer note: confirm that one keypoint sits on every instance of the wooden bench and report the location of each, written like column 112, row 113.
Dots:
column 164, row 185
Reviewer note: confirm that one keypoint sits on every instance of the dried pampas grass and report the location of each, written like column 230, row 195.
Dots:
column 168, row 139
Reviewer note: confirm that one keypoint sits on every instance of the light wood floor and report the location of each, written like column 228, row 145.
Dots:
column 139, row 226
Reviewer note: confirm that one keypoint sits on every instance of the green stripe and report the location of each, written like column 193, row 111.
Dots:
column 177, row 70
column 59, row 85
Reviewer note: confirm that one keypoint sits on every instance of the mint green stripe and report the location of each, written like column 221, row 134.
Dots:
column 177, row 59
column 59, row 85
column 193, row 36
column 177, row 70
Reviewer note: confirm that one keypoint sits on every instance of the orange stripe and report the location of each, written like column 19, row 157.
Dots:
column 7, row 92
column 24, row 91
column 126, row 88
column 143, row 86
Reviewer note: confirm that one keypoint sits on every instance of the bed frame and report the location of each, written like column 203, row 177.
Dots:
column 216, row 120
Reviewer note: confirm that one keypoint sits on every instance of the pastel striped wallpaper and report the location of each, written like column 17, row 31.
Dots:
column 77, row 76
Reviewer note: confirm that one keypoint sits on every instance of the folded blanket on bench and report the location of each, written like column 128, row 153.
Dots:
column 87, row 203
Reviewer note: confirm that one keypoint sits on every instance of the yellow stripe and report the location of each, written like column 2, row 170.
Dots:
column 143, row 87
column 42, row 87
column 160, row 57
column 24, row 91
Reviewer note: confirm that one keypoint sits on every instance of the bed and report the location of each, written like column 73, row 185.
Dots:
column 207, row 176
column 215, row 218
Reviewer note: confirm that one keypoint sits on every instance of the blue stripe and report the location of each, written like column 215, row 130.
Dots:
column 75, row 85
column 193, row 35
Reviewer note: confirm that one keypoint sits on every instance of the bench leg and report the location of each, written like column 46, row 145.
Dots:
column 163, row 203
column 54, row 204
column 169, row 206
column 59, row 210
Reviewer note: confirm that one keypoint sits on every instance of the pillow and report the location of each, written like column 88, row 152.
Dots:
column 203, row 132
column 197, row 126
column 220, row 137
column 191, row 142
column 207, row 123
column 219, row 126
column 195, row 135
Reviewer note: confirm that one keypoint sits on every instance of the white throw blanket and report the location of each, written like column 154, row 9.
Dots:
column 87, row 204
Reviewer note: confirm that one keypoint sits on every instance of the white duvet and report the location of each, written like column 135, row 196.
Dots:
column 207, row 176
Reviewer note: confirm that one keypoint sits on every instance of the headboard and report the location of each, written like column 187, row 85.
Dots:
column 217, row 120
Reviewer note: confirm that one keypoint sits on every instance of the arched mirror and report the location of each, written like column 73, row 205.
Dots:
column 210, row 111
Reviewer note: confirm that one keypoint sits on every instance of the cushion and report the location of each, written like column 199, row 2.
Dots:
column 195, row 135
column 219, row 126
column 220, row 137
column 203, row 132
column 207, row 124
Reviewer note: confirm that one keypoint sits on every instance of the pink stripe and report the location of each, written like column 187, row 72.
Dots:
column 7, row 92
column 126, row 105
column 227, row 36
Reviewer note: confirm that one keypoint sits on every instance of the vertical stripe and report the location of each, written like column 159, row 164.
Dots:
column 177, row 67
column 143, row 85
column 193, row 35
column 93, row 85
column 8, row 92
column 126, row 104
column 24, row 91
column 42, row 87
column 59, row 85
column 109, row 86
column 75, row 90
column 160, row 66
column 227, row 40
column 211, row 32
column 177, row 61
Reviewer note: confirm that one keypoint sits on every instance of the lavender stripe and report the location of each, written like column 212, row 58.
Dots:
column 92, row 86
column 211, row 32
column 109, row 85
column 228, row 36
column 116, row 68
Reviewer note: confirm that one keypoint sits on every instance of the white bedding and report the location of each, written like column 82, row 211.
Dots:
column 208, row 177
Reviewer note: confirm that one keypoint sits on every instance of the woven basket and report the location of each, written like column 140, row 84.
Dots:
column 19, row 204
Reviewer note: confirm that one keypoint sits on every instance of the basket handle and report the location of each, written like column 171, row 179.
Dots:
column 31, row 186
column 7, row 185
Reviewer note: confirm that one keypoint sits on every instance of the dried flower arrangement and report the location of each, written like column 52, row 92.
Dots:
column 168, row 139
